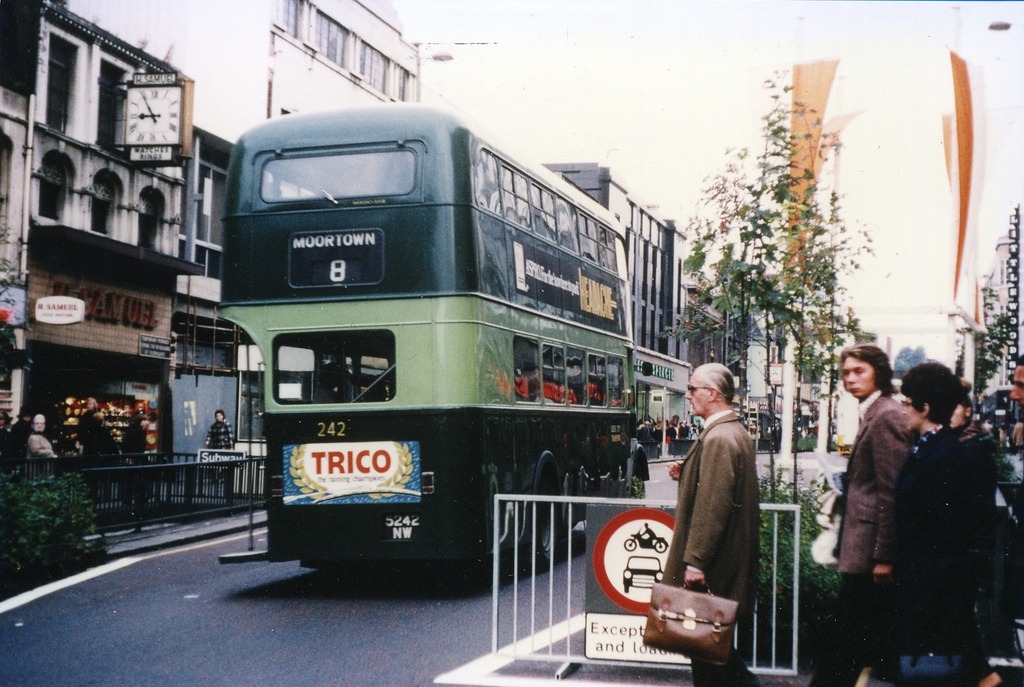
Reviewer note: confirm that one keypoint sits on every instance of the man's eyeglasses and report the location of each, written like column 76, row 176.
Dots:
column 691, row 388
column 1018, row 385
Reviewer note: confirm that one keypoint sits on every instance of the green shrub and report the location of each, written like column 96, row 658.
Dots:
column 1005, row 471
column 44, row 525
column 818, row 586
column 806, row 444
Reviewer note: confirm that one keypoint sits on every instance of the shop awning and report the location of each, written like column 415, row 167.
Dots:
column 88, row 254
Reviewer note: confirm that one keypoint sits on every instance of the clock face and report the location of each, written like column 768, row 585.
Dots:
column 153, row 116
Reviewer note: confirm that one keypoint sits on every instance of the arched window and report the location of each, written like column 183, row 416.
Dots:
column 53, row 185
column 151, row 210
column 104, row 198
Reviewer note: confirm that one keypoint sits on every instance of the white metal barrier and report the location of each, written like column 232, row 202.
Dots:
column 538, row 609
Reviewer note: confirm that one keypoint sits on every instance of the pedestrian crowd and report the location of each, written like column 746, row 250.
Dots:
column 30, row 437
column 915, row 525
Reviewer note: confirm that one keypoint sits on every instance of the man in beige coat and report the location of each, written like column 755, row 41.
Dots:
column 717, row 519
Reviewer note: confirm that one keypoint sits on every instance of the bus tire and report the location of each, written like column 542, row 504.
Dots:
column 549, row 517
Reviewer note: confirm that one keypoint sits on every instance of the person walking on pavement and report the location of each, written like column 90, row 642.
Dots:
column 1015, row 566
column 715, row 541
column 220, row 435
column 938, row 515
column 5, row 438
column 866, row 548
column 20, row 432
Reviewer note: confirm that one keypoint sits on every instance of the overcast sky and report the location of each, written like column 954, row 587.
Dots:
column 660, row 89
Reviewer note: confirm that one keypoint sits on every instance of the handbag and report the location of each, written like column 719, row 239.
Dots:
column 696, row 624
column 823, row 549
column 931, row 670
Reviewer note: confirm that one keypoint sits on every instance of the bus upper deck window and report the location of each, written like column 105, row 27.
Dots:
column 566, row 221
column 339, row 177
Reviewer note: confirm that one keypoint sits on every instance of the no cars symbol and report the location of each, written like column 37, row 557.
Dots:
column 630, row 554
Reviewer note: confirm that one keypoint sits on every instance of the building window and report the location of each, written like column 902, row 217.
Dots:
column 6, row 151
column 332, row 39
column 372, row 66
column 111, row 96
column 104, row 196
column 151, row 209
column 58, row 87
column 53, row 185
column 403, row 79
column 288, row 16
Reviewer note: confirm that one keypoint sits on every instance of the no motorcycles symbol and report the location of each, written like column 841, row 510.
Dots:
column 630, row 554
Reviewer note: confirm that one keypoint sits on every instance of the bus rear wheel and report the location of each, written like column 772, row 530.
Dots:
column 549, row 539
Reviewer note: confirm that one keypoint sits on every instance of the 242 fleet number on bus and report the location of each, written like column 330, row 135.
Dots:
column 336, row 258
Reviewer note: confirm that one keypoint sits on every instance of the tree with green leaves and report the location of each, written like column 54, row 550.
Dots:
column 991, row 347
column 768, row 250
column 906, row 358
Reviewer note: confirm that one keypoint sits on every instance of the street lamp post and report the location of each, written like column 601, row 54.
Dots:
column 436, row 57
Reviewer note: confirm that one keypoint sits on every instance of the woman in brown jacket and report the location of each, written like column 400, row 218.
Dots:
column 715, row 540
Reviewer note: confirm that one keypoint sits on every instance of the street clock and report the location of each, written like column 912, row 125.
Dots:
column 158, row 119
column 153, row 116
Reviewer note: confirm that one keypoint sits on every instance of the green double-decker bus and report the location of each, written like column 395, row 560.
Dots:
column 437, row 323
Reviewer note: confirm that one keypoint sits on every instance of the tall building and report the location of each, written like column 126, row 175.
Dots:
column 139, row 242
column 90, row 261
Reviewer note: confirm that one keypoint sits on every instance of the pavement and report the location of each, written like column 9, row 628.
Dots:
column 135, row 542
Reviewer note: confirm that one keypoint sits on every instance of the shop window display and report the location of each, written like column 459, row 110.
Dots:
column 118, row 411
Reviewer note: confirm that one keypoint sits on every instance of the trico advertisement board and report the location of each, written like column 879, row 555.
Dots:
column 352, row 472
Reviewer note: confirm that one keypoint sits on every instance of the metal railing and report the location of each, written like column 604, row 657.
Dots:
column 544, row 619
column 134, row 490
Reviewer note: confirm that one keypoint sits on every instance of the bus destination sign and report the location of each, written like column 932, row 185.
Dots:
column 336, row 258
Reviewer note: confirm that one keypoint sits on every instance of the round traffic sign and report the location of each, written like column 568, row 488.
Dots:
column 630, row 554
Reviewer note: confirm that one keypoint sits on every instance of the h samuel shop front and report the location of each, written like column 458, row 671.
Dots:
column 90, row 336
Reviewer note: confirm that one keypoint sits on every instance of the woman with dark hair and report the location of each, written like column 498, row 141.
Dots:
column 935, row 527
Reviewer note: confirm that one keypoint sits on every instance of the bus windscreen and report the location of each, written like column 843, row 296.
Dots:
column 339, row 176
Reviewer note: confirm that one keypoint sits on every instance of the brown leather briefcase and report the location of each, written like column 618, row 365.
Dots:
column 695, row 624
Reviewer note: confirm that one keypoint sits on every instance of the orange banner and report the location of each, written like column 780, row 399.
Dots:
column 964, row 160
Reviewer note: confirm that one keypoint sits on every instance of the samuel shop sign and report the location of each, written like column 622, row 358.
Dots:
column 630, row 548
column 60, row 310
column 109, row 307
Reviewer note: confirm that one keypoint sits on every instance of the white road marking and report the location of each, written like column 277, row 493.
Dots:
column 481, row 672
column 39, row 592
